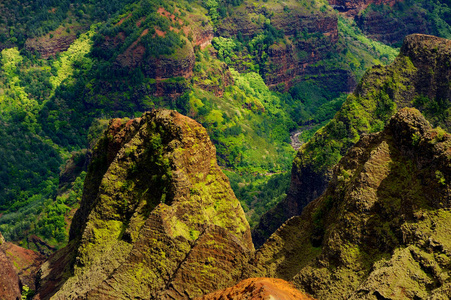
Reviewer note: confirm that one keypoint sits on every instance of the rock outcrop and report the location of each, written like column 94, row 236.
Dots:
column 259, row 289
column 9, row 281
column 419, row 77
column 18, row 267
column 380, row 231
column 284, row 64
column 158, row 219
column 384, row 27
column 26, row 263
column 353, row 7
column 47, row 47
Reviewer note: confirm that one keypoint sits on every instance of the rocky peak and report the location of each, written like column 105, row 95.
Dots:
column 427, row 51
column 158, row 218
column 259, row 289
column 418, row 77
column 380, row 229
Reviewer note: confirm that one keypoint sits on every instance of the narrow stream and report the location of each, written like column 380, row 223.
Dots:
column 294, row 137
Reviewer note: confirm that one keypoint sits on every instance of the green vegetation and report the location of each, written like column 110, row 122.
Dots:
column 432, row 17
column 259, row 193
column 119, row 68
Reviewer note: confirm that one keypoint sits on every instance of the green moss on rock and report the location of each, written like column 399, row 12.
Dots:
column 380, row 233
column 156, row 201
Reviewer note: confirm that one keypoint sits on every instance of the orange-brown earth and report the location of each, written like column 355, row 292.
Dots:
column 259, row 289
column 26, row 262
column 18, row 267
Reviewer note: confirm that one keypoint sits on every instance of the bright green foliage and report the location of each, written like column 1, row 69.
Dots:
column 14, row 100
column 27, row 293
column 48, row 106
column 361, row 52
column 43, row 216
column 74, row 57
column 247, row 117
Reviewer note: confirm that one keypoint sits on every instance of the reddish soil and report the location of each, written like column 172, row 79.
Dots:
column 123, row 19
column 259, row 289
column 26, row 262
column 9, row 281
column 159, row 32
column 139, row 22
column 167, row 14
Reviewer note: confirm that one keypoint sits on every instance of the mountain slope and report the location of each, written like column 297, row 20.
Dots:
column 158, row 218
column 419, row 77
column 380, row 229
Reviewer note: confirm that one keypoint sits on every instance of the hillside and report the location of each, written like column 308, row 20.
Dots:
column 158, row 218
column 86, row 62
column 380, row 230
column 251, row 72
column 418, row 77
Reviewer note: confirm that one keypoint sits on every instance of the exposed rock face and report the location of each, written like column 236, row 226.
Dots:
column 26, row 263
column 390, row 27
column 353, row 7
column 380, row 231
column 9, row 281
column 18, row 267
column 259, row 289
column 158, row 218
column 289, row 61
column 50, row 47
column 419, row 77
column 167, row 67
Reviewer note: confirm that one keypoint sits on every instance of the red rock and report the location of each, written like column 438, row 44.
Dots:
column 9, row 281
column 259, row 289
column 26, row 263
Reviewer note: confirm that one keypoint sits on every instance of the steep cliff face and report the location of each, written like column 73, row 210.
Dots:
column 419, row 77
column 380, row 229
column 391, row 23
column 290, row 60
column 353, row 7
column 309, row 35
column 54, row 42
column 259, row 289
column 158, row 218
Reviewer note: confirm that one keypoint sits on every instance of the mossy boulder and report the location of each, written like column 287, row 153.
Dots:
column 380, row 229
column 158, row 219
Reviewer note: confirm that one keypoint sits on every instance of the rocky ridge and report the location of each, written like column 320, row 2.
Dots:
column 418, row 77
column 158, row 218
column 380, row 229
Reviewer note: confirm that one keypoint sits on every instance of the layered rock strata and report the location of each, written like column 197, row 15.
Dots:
column 158, row 219
column 380, row 231
column 419, row 77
